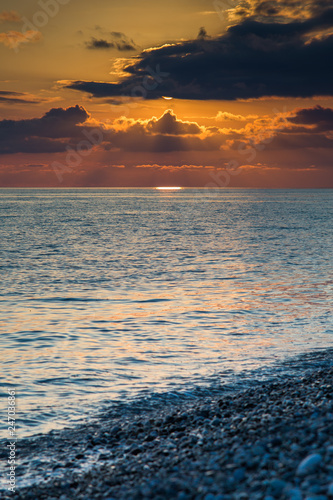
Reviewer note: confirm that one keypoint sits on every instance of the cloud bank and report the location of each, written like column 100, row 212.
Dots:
column 62, row 129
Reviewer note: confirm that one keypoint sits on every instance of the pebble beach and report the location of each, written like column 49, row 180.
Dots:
column 274, row 441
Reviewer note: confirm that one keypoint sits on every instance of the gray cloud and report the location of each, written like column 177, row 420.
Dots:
column 16, row 98
column 49, row 134
column 310, row 128
column 321, row 119
column 170, row 125
column 60, row 129
column 117, row 40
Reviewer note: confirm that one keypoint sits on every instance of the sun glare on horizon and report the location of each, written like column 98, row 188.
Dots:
column 169, row 188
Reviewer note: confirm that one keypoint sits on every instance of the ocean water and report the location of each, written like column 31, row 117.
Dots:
column 113, row 294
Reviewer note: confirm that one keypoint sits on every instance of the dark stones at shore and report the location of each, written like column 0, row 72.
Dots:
column 271, row 442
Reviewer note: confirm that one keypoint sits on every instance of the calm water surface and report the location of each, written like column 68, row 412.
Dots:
column 108, row 294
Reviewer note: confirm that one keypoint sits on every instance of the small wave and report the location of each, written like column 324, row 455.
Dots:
column 151, row 301
column 68, row 299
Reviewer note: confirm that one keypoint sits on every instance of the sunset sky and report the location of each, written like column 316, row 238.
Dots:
column 186, row 92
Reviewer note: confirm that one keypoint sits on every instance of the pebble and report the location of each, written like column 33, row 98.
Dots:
column 239, row 474
column 316, row 497
column 276, row 487
column 210, row 496
column 309, row 464
column 294, row 494
column 246, row 445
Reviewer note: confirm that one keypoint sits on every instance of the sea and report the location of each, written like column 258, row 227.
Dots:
column 144, row 297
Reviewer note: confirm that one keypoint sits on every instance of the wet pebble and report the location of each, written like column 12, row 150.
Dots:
column 309, row 464
column 250, row 445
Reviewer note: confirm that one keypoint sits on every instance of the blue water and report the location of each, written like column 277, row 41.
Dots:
column 109, row 294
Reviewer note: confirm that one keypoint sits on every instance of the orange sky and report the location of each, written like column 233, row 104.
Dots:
column 192, row 93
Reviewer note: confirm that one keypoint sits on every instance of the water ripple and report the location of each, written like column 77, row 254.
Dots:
column 111, row 294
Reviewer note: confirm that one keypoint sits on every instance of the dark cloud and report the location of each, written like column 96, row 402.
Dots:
column 118, row 41
column 8, row 97
column 308, row 128
column 278, row 9
column 282, row 32
column 95, row 43
column 161, row 135
column 60, row 129
column 10, row 92
column 307, row 131
column 49, row 134
column 14, row 100
column 170, row 125
column 202, row 33
column 251, row 60
column 321, row 119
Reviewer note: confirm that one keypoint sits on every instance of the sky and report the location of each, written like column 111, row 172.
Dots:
column 191, row 93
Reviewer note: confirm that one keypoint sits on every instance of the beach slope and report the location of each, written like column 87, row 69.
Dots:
column 274, row 441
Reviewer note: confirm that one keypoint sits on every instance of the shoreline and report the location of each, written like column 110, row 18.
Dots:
column 248, row 444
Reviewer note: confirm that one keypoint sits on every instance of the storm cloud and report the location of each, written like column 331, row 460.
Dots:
column 253, row 59
column 48, row 134
column 60, row 129
column 308, row 128
column 320, row 119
